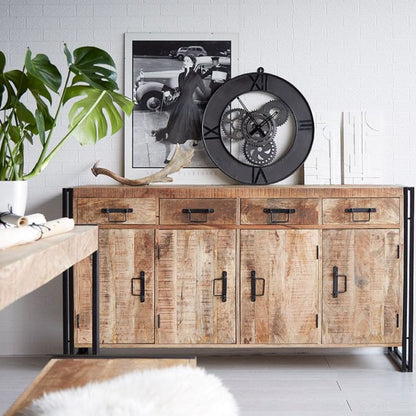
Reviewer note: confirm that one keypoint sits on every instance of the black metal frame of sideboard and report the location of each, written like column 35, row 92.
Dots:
column 402, row 358
column 68, row 293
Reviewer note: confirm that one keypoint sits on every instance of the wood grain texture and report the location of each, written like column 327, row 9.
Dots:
column 288, row 262
column 307, row 211
column 188, row 311
column 75, row 372
column 367, row 312
column 124, row 253
column 387, row 211
column 89, row 211
column 238, row 191
column 193, row 254
column 82, row 303
column 25, row 268
column 224, row 211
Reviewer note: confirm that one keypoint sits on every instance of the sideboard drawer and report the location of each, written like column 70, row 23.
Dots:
column 361, row 211
column 116, row 210
column 293, row 211
column 198, row 211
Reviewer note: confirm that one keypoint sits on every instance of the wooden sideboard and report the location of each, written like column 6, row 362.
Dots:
column 248, row 267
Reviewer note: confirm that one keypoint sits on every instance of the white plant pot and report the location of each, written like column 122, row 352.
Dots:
column 13, row 196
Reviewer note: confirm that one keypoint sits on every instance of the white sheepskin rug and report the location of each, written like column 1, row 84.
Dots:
column 174, row 391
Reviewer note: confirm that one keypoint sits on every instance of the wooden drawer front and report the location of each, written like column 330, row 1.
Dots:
column 198, row 211
column 280, row 211
column 361, row 211
column 116, row 211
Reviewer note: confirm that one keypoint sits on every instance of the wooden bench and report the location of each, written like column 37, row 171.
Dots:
column 74, row 372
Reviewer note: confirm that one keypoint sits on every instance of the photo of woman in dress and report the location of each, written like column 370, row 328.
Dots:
column 170, row 91
column 184, row 123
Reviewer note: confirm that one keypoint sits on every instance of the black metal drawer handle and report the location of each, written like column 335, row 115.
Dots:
column 254, row 280
column 353, row 211
column 223, row 293
column 273, row 211
column 191, row 211
column 141, row 279
column 335, row 276
column 110, row 211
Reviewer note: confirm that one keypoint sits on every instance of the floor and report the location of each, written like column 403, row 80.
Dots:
column 302, row 385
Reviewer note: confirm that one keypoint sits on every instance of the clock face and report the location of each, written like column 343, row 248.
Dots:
column 257, row 128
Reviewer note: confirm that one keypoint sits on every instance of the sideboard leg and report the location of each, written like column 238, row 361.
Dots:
column 95, row 306
column 65, row 312
column 404, row 358
column 411, row 232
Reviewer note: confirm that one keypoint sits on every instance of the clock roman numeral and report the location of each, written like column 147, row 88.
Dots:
column 305, row 124
column 258, row 176
column 211, row 133
column 259, row 81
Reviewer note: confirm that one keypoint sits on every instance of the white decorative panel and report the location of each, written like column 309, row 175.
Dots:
column 363, row 147
column 323, row 165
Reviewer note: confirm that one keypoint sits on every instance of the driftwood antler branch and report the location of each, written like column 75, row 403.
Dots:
column 180, row 159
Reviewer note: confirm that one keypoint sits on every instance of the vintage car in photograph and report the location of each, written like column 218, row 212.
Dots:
column 149, row 86
column 190, row 50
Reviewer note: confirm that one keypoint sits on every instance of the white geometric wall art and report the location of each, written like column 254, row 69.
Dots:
column 364, row 142
column 323, row 164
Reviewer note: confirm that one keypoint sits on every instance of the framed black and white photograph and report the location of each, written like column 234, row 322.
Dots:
column 170, row 78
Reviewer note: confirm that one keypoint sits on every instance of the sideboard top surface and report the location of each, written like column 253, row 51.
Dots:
column 237, row 191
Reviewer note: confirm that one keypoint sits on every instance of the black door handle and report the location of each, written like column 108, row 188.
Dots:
column 253, row 282
column 273, row 211
column 110, row 211
column 353, row 211
column 191, row 211
column 335, row 276
column 142, row 280
column 223, row 293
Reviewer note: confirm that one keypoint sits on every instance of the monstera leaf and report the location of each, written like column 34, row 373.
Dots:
column 41, row 68
column 94, row 67
column 14, row 84
column 95, row 115
column 31, row 100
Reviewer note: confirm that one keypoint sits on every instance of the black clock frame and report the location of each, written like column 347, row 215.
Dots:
column 304, row 128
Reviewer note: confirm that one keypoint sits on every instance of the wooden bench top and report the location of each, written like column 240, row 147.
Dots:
column 63, row 373
column 26, row 267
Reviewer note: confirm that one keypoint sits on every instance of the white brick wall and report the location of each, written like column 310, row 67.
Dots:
column 344, row 55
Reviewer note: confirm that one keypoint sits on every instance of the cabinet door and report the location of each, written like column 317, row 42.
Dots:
column 126, row 286
column 362, row 287
column 282, row 305
column 190, row 305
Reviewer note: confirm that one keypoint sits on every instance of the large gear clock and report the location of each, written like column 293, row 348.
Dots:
column 258, row 128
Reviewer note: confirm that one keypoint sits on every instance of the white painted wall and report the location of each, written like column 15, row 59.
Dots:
column 344, row 55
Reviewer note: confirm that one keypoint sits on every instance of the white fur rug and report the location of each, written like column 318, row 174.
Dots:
column 174, row 391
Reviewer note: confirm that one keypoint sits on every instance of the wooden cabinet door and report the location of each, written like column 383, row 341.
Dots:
column 190, row 307
column 126, row 311
column 367, row 308
column 285, row 306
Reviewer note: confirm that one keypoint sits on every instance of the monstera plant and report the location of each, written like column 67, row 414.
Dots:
column 32, row 100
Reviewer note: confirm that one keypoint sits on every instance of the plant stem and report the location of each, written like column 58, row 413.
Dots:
column 40, row 164
column 10, row 170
